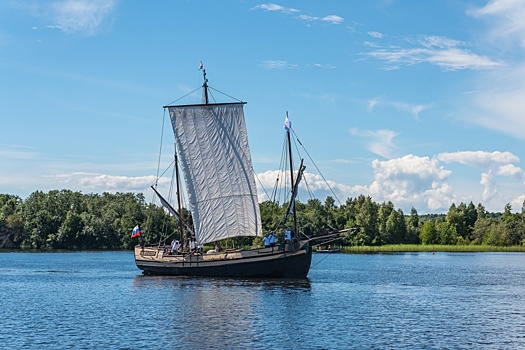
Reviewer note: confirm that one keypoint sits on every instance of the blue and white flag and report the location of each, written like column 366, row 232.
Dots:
column 287, row 124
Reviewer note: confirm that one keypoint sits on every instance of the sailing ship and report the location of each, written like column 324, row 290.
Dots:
column 213, row 154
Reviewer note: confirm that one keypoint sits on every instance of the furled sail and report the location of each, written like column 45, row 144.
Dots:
column 215, row 159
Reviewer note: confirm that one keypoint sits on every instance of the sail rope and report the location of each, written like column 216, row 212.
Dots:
column 180, row 98
column 225, row 94
column 161, row 141
column 153, row 199
column 317, row 263
column 315, row 165
column 209, row 88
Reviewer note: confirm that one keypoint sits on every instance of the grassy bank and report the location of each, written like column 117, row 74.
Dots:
column 401, row 248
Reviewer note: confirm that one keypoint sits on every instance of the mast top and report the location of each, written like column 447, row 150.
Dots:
column 205, row 84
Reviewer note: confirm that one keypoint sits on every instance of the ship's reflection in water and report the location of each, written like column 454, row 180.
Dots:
column 231, row 312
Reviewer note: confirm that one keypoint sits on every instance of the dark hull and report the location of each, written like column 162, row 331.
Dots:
column 278, row 264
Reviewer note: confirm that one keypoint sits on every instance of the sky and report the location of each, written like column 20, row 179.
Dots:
column 420, row 103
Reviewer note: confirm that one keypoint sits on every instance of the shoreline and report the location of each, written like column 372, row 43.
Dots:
column 423, row 248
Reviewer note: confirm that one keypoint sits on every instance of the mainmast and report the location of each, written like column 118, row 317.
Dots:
column 294, row 232
column 206, row 100
column 204, row 85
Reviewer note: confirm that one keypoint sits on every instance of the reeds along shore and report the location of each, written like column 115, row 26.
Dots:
column 404, row 248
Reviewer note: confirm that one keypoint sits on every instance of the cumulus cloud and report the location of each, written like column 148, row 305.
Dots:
column 411, row 180
column 420, row 182
column 479, row 159
column 93, row 182
column 511, row 170
column 491, row 164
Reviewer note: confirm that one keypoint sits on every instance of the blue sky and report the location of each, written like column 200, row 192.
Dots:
column 415, row 102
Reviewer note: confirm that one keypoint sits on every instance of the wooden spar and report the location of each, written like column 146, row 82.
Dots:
column 294, row 191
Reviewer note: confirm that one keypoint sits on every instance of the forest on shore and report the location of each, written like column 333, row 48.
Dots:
column 63, row 219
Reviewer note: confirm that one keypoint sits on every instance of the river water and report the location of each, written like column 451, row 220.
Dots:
column 100, row 300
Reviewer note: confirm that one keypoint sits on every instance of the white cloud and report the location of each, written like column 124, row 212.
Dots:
column 507, row 20
column 277, row 64
column 517, row 203
column 376, row 35
column 73, row 16
column 326, row 66
column 497, row 103
column 275, row 7
column 421, row 182
column 332, row 19
column 479, row 159
column 380, row 142
column 411, row 181
column 490, row 186
column 440, row 51
column 491, row 164
column 412, row 109
column 511, row 170
column 81, row 15
column 372, row 103
column 15, row 152
column 93, row 182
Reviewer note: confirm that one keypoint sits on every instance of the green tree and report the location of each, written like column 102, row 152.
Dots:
column 413, row 229
column 447, row 233
column 384, row 212
column 366, row 220
column 429, row 234
column 396, row 227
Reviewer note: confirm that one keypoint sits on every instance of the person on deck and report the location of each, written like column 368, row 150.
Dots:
column 272, row 239
column 172, row 245
column 266, row 239
column 175, row 247
column 287, row 235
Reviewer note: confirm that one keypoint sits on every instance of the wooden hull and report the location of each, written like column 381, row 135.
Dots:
column 273, row 262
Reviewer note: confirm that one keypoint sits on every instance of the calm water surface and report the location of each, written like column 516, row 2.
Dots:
column 382, row 301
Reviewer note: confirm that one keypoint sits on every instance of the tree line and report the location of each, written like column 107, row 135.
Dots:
column 74, row 221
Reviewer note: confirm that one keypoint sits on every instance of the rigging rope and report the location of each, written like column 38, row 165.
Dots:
column 317, row 263
column 315, row 165
column 180, row 98
column 236, row 99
